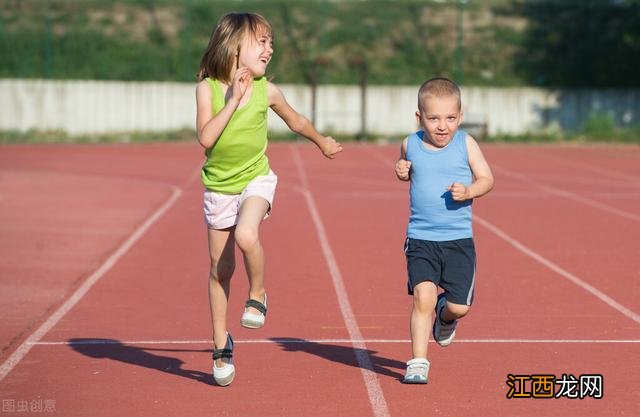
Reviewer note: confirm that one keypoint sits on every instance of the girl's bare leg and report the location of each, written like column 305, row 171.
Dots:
column 247, row 236
column 221, row 251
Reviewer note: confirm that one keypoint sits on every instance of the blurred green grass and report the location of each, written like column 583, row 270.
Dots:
column 617, row 135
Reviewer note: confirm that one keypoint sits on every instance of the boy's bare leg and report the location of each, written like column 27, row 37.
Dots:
column 424, row 302
column 221, row 251
column 247, row 236
column 453, row 311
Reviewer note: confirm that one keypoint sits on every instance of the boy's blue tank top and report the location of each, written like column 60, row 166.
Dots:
column 435, row 215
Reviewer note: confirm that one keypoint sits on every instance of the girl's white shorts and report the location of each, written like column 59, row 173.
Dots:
column 221, row 210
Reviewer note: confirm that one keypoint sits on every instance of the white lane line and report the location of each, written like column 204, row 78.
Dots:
column 24, row 348
column 558, row 270
column 567, row 194
column 291, row 341
column 628, row 179
column 376, row 396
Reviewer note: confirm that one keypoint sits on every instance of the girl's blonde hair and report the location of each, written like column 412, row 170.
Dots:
column 224, row 45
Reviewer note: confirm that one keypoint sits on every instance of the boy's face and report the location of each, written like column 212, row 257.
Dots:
column 440, row 118
column 255, row 53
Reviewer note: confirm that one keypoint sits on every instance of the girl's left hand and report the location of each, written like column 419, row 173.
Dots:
column 330, row 147
column 458, row 191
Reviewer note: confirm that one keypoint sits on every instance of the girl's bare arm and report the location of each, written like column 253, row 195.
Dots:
column 208, row 127
column 300, row 124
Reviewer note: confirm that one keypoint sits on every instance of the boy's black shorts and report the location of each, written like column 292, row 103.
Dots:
column 450, row 264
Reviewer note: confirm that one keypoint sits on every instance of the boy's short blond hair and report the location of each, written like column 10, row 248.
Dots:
column 438, row 87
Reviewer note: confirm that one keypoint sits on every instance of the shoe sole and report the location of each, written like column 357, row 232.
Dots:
column 447, row 342
column 415, row 381
column 250, row 323
column 224, row 380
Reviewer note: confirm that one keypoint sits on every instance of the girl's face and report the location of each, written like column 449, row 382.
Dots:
column 255, row 53
column 440, row 118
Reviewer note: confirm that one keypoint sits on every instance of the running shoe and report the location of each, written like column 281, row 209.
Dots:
column 417, row 371
column 224, row 375
column 443, row 333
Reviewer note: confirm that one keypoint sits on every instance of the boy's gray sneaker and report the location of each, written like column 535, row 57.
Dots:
column 443, row 333
column 417, row 371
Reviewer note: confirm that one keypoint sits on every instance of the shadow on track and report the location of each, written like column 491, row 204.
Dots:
column 341, row 354
column 139, row 356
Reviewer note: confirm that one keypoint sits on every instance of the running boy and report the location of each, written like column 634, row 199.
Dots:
column 447, row 171
column 233, row 97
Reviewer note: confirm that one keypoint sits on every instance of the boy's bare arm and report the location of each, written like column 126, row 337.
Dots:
column 483, row 178
column 300, row 124
column 403, row 167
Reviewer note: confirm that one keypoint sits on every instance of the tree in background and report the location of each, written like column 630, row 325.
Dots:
column 593, row 43
column 493, row 42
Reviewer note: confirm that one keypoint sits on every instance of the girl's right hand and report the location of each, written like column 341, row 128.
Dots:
column 241, row 79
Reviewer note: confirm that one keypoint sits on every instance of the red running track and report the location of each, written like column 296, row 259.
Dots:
column 104, row 306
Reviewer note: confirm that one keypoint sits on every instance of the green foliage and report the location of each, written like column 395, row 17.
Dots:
column 598, row 135
column 37, row 136
column 602, row 127
column 497, row 42
column 539, row 137
column 581, row 43
column 599, row 125
column 628, row 135
column 402, row 42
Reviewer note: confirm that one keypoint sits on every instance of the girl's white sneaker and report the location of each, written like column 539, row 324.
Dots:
column 252, row 320
column 224, row 375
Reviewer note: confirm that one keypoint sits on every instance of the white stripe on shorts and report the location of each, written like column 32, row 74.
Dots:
column 473, row 284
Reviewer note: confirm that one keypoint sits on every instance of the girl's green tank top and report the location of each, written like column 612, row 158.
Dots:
column 238, row 156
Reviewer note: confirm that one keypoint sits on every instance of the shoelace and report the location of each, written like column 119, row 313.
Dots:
column 417, row 368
